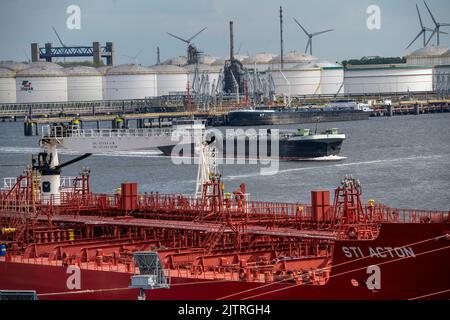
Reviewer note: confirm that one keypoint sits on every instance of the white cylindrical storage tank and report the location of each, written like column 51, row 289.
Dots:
column 387, row 79
column 291, row 59
column 209, row 60
column 176, row 61
column 14, row 65
column 429, row 56
column 83, row 84
column 297, row 81
column 240, row 57
column 170, row 79
column 208, row 73
column 130, row 81
column 7, row 86
column 260, row 61
column 41, row 84
column 45, row 64
column 331, row 76
column 103, row 71
column 218, row 63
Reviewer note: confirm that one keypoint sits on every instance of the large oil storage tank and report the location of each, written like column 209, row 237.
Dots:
column 45, row 64
column 378, row 79
column 7, row 85
column 130, row 81
column 429, row 56
column 260, row 61
column 291, row 59
column 207, row 59
column 102, row 70
column 176, row 61
column 170, row 79
column 14, row 65
column 206, row 74
column 41, row 84
column 297, row 81
column 331, row 76
column 83, row 84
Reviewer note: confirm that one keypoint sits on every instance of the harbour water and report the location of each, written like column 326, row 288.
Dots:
column 402, row 161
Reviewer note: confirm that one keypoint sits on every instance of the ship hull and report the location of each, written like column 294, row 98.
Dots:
column 416, row 269
column 255, row 118
column 288, row 149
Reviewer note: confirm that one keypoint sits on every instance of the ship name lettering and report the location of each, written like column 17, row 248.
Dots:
column 379, row 252
column 357, row 253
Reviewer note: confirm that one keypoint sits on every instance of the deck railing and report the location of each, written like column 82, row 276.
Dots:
column 153, row 203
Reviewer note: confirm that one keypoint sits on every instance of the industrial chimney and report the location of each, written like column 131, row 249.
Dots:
column 231, row 42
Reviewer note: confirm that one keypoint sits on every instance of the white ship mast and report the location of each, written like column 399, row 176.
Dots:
column 207, row 165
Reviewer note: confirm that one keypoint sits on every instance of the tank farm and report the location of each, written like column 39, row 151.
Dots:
column 217, row 245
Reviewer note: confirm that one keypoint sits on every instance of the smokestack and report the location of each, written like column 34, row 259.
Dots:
column 231, row 42
column 281, row 37
column 158, row 60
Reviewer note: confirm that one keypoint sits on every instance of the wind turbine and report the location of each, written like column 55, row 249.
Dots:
column 423, row 30
column 310, row 36
column 437, row 24
column 192, row 52
column 134, row 58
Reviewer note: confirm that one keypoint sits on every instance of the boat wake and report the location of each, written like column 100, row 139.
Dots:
column 370, row 162
column 324, row 158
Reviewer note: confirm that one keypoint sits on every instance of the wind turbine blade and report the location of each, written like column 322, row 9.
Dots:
column 320, row 32
column 445, row 24
column 435, row 23
column 418, row 13
column 432, row 34
column 304, row 30
column 57, row 35
column 190, row 39
column 177, row 37
column 140, row 51
column 420, row 33
column 442, row 32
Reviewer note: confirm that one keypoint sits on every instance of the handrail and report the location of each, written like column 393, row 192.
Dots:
column 155, row 202
column 57, row 132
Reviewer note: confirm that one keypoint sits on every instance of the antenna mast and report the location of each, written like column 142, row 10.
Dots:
column 281, row 36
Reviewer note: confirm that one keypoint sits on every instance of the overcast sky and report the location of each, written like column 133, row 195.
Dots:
column 140, row 26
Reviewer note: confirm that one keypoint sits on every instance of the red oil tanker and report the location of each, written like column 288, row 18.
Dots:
column 217, row 245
